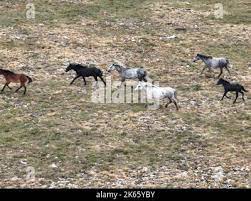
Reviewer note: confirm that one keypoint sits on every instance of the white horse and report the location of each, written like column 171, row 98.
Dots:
column 159, row 93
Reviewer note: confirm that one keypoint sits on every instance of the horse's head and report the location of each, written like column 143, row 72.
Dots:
column 196, row 58
column 112, row 67
column 142, row 85
column 69, row 67
column 220, row 81
column 201, row 57
column 139, row 86
column 2, row 71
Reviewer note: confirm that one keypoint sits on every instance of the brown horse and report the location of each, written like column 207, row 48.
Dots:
column 16, row 78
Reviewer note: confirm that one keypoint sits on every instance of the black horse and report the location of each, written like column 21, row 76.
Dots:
column 85, row 71
column 232, row 87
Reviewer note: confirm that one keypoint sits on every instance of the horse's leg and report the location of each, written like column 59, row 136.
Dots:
column 220, row 73
column 96, row 79
column 102, row 80
column 24, row 90
column 236, row 97
column 4, row 87
column 203, row 69
column 84, row 80
column 9, row 86
column 122, row 82
column 228, row 70
column 168, row 102
column 242, row 93
column 176, row 105
column 225, row 93
column 19, row 88
column 227, row 96
column 75, row 79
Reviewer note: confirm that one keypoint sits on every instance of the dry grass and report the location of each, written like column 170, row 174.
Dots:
column 72, row 142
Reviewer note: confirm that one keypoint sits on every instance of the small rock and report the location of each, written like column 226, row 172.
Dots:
column 168, row 37
column 218, row 174
column 24, row 162
column 53, row 165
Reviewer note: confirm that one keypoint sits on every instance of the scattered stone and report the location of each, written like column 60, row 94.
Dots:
column 53, row 165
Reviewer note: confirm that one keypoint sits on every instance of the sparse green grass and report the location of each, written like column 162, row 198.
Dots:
column 50, row 11
column 235, row 12
column 58, row 124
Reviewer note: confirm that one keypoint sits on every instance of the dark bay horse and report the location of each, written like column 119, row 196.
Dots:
column 16, row 78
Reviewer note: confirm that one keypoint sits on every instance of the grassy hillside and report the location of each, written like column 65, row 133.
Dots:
column 72, row 142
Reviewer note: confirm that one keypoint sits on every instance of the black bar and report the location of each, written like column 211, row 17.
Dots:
column 124, row 194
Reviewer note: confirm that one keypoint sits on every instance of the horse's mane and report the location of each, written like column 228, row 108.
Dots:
column 126, row 67
column 148, row 84
column 224, row 80
column 204, row 56
column 82, row 66
column 6, row 71
column 79, row 65
column 121, row 66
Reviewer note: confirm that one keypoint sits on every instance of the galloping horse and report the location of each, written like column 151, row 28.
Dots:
column 16, row 78
column 129, row 73
column 213, row 63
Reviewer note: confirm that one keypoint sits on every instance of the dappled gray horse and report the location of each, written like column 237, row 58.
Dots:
column 212, row 62
column 129, row 73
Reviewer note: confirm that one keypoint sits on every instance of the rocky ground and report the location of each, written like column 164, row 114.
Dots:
column 56, row 137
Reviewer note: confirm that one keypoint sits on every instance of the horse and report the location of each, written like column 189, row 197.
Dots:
column 129, row 73
column 212, row 62
column 85, row 71
column 159, row 93
column 16, row 78
column 231, row 87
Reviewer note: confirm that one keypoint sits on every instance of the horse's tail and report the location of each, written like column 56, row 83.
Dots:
column 142, row 74
column 228, row 63
column 100, row 72
column 243, row 89
column 30, row 80
column 175, row 95
column 145, row 74
column 175, row 101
